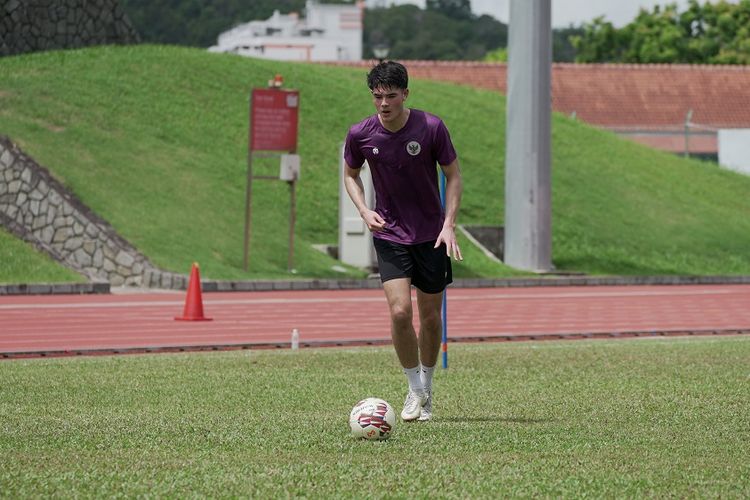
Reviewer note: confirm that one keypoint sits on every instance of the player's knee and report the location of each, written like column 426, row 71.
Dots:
column 401, row 313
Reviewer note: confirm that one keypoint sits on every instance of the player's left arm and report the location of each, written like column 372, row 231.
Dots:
column 453, row 190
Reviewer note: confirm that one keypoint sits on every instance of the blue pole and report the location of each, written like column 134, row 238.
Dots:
column 445, row 293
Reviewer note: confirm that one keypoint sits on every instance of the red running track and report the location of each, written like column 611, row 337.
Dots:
column 87, row 324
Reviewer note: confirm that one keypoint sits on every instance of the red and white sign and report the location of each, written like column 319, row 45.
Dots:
column 274, row 118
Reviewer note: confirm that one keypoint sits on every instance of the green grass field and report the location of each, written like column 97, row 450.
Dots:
column 20, row 263
column 620, row 418
column 154, row 139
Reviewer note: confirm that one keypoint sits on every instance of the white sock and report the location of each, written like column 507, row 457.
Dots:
column 415, row 380
column 427, row 372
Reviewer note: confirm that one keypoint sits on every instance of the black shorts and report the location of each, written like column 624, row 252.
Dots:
column 429, row 268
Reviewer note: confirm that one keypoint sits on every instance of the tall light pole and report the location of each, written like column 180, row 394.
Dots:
column 528, row 242
column 380, row 51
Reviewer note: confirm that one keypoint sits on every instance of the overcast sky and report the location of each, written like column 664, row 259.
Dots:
column 566, row 12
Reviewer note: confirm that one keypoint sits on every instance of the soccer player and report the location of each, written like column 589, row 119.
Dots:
column 414, row 237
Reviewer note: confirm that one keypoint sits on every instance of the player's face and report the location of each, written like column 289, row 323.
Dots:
column 389, row 103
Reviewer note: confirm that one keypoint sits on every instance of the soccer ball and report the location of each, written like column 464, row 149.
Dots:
column 372, row 419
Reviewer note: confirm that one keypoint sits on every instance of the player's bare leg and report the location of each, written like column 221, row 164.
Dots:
column 398, row 295
column 430, row 330
column 430, row 326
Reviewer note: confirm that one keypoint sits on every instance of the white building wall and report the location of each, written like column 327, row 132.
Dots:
column 328, row 33
column 734, row 149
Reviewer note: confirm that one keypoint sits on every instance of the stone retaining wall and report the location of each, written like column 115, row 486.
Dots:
column 36, row 25
column 37, row 208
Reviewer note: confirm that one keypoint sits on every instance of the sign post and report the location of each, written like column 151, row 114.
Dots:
column 274, row 121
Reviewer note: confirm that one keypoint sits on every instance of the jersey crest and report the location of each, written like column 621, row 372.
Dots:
column 413, row 148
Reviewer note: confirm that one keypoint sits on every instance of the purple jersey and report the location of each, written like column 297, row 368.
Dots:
column 404, row 173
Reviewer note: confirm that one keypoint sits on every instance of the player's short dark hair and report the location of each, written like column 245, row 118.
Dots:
column 388, row 74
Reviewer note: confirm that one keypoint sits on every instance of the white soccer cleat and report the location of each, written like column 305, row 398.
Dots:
column 413, row 405
column 426, row 412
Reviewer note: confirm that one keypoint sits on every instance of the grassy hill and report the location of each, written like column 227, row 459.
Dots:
column 18, row 259
column 154, row 139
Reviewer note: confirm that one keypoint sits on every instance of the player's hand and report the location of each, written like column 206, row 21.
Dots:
column 373, row 220
column 448, row 236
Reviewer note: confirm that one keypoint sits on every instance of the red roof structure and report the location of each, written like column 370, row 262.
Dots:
column 651, row 103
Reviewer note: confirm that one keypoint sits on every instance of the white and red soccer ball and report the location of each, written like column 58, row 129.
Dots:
column 373, row 419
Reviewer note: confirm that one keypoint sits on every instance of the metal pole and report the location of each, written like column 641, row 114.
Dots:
column 248, row 189
column 688, row 117
column 445, row 329
column 248, row 209
column 292, row 220
column 528, row 243
column 445, row 292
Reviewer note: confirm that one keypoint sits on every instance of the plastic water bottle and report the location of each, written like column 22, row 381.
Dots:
column 295, row 339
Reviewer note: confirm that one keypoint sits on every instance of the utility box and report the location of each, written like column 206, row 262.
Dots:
column 734, row 149
column 289, row 168
column 355, row 240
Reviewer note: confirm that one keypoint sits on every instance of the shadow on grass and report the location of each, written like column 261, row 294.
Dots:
column 512, row 420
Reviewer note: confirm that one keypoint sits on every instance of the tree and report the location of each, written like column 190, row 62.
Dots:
column 497, row 55
column 414, row 33
column 712, row 33
column 562, row 48
column 454, row 9
column 446, row 29
column 198, row 23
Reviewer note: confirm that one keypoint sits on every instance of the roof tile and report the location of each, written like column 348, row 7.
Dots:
column 620, row 96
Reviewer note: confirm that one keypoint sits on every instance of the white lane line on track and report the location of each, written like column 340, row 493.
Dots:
column 138, row 342
column 282, row 330
column 339, row 300
column 203, row 328
column 148, row 336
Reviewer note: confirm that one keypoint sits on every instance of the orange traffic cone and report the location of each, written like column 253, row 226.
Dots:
column 194, row 302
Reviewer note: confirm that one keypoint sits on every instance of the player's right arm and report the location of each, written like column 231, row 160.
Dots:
column 356, row 191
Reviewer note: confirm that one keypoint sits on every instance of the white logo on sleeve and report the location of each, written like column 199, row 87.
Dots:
column 413, row 148
column 375, row 151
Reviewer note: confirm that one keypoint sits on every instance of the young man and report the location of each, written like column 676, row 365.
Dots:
column 414, row 238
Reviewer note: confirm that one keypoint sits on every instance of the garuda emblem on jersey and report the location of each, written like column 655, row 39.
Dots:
column 413, row 148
